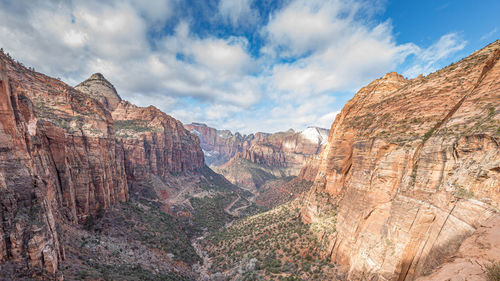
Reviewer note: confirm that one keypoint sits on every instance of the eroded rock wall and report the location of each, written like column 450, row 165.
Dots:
column 219, row 145
column 412, row 167
column 155, row 143
column 63, row 158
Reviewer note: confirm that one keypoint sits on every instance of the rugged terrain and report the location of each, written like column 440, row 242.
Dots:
column 274, row 245
column 263, row 163
column 272, row 160
column 407, row 187
column 219, row 145
column 69, row 160
column 414, row 168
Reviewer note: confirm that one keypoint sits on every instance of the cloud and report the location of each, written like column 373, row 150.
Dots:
column 238, row 12
column 232, row 66
column 333, row 50
column 489, row 34
column 429, row 59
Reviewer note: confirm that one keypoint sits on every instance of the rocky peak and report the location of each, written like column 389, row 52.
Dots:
column 316, row 134
column 97, row 76
column 393, row 76
column 100, row 89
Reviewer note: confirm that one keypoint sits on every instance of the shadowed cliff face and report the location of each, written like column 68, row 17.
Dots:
column 219, row 145
column 58, row 161
column 63, row 158
column 413, row 166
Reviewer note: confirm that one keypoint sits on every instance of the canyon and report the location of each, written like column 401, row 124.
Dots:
column 404, row 186
column 69, row 156
column 265, row 164
column 407, row 188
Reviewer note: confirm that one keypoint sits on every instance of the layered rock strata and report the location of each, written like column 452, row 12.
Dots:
column 219, row 145
column 274, row 156
column 411, row 168
column 63, row 158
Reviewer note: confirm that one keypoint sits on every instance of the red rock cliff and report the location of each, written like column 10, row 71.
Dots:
column 58, row 162
column 219, row 145
column 63, row 158
column 414, row 168
column 155, row 143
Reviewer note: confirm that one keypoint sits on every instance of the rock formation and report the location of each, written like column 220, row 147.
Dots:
column 58, row 159
column 155, row 142
column 273, row 156
column 412, row 168
column 63, row 158
column 100, row 89
column 219, row 145
column 474, row 257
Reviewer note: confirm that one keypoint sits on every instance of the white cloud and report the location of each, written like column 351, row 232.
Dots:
column 343, row 51
column 238, row 12
column 312, row 49
column 428, row 59
column 157, row 11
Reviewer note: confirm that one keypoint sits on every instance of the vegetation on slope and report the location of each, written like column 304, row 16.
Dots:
column 274, row 245
column 135, row 240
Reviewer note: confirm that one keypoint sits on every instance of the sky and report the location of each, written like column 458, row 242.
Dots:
column 244, row 65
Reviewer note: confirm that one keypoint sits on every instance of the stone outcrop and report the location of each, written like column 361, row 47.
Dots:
column 63, row 158
column 288, row 150
column 272, row 156
column 474, row 257
column 219, row 145
column 412, row 168
column 58, row 161
column 155, row 143
column 100, row 89
column 282, row 149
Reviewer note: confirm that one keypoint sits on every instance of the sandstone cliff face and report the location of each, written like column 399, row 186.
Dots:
column 411, row 168
column 27, row 229
column 474, row 256
column 61, row 160
column 100, row 89
column 219, row 145
column 285, row 149
column 155, row 143
column 272, row 156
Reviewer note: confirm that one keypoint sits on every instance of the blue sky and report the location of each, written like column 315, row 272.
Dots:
column 244, row 65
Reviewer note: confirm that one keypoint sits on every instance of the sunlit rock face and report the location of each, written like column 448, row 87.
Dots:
column 273, row 156
column 413, row 167
column 100, row 89
column 155, row 143
column 251, row 160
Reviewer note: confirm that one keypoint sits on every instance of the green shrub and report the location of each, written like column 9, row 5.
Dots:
column 493, row 271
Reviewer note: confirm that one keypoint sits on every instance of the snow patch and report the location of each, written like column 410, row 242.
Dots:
column 316, row 135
